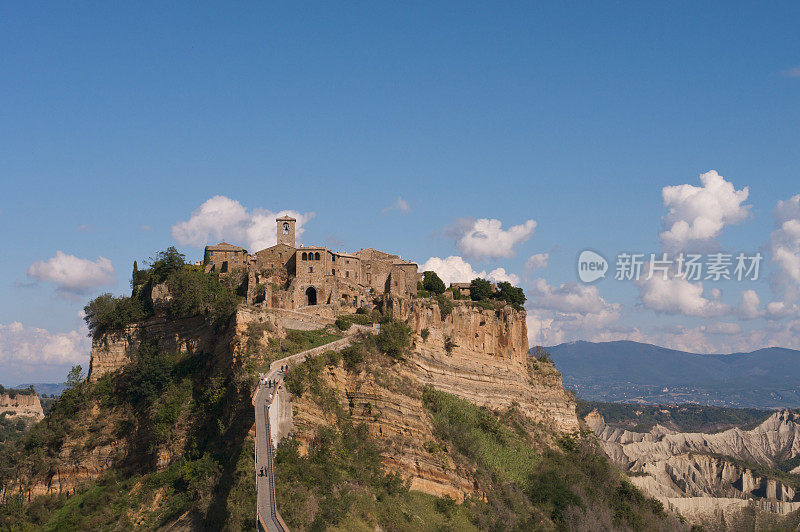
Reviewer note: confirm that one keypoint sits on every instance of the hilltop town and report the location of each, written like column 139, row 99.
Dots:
column 289, row 277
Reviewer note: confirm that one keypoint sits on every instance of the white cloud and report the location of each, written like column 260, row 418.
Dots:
column 697, row 215
column 567, row 312
column 221, row 218
column 499, row 275
column 784, row 245
column 31, row 346
column 399, row 204
column 538, row 260
column 455, row 269
column 679, row 296
column 72, row 275
column 777, row 310
column 748, row 307
column 485, row 238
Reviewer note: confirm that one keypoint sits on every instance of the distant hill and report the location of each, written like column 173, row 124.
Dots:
column 49, row 388
column 636, row 372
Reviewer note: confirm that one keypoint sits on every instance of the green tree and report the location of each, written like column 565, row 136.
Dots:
column 74, row 377
column 107, row 313
column 512, row 295
column 432, row 283
column 480, row 289
column 166, row 262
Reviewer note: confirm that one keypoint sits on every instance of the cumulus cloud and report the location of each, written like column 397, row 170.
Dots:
column 784, row 246
column 72, row 275
column 674, row 295
column 777, row 310
column 538, row 260
column 697, row 215
column 222, row 218
column 33, row 346
column 567, row 312
column 455, row 269
column 748, row 306
column 399, row 205
column 486, row 239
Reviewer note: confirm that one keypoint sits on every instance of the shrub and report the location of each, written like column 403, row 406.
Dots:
column 394, row 339
column 352, row 356
column 295, row 380
column 332, row 358
column 540, row 354
column 425, row 333
column 445, row 305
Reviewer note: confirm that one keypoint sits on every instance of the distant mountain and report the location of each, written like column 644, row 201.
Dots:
column 45, row 387
column 637, row 372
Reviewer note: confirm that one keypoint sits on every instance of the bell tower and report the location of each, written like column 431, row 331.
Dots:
column 286, row 230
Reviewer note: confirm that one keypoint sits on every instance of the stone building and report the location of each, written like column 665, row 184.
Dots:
column 224, row 257
column 288, row 276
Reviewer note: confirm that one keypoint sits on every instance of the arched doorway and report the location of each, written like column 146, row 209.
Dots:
column 311, row 296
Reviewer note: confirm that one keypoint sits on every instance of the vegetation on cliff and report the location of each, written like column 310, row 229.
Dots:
column 527, row 477
column 173, row 427
column 191, row 292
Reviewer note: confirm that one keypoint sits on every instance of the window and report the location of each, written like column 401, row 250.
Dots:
column 305, row 256
column 310, row 269
column 285, row 228
column 316, row 256
column 347, row 274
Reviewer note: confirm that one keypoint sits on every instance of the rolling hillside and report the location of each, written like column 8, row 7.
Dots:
column 636, row 372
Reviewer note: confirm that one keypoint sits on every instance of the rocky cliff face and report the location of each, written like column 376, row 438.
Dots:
column 113, row 351
column 480, row 355
column 477, row 354
column 21, row 405
column 671, row 465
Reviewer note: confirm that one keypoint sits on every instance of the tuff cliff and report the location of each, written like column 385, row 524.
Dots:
column 151, row 397
column 26, row 405
column 477, row 354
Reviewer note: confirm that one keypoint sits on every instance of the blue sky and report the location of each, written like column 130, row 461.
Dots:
column 118, row 122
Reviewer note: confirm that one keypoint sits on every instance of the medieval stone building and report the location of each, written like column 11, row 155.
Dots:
column 287, row 276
